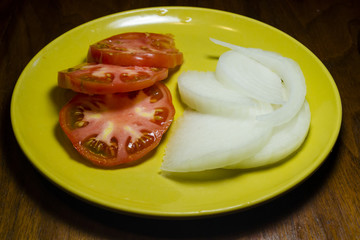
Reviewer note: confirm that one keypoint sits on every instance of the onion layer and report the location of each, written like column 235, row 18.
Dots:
column 284, row 141
column 205, row 141
column 249, row 77
column 289, row 71
column 202, row 92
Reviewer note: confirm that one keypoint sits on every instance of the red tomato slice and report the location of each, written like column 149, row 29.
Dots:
column 117, row 128
column 134, row 48
column 93, row 78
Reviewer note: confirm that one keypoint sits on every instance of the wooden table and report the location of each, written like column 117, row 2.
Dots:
column 325, row 206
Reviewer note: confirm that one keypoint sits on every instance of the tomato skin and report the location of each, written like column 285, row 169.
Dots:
column 134, row 48
column 91, row 78
column 110, row 130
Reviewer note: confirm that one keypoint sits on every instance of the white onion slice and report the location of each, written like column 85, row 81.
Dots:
column 289, row 71
column 205, row 141
column 284, row 141
column 202, row 92
column 251, row 78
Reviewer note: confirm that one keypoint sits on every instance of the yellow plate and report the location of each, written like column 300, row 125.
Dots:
column 141, row 189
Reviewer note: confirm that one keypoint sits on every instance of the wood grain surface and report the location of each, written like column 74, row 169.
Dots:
column 325, row 206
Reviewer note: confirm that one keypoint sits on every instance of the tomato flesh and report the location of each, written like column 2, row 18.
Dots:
column 94, row 78
column 113, row 129
column 137, row 49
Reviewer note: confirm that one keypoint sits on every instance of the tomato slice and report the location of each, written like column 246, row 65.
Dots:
column 113, row 129
column 137, row 49
column 94, row 78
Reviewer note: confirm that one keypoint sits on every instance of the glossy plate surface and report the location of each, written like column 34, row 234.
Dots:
column 142, row 189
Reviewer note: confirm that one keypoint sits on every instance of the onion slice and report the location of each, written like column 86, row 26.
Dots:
column 289, row 71
column 202, row 92
column 201, row 141
column 249, row 77
column 284, row 141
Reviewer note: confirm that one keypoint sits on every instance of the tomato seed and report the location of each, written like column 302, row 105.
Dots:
column 141, row 143
column 120, row 49
column 80, row 124
column 154, row 69
column 99, row 147
column 158, row 118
